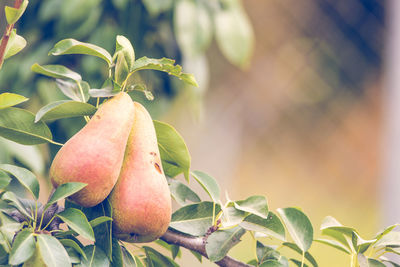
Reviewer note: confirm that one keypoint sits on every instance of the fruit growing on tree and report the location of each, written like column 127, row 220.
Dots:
column 95, row 154
column 141, row 198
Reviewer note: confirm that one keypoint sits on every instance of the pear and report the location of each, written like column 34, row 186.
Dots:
column 141, row 200
column 95, row 154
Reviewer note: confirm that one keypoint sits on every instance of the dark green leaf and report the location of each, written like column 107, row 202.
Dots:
column 220, row 242
column 23, row 247
column 271, row 226
column 71, row 46
column 255, row 204
column 166, row 65
column 95, row 257
column 64, row 191
column 117, row 258
column 72, row 90
column 72, row 244
column 157, row 259
column 299, row 227
column 52, row 251
column 24, row 176
column 194, row 219
column 19, row 125
column 209, row 184
column 335, row 244
column 56, row 71
column 10, row 99
column 174, row 152
column 13, row 14
column 138, row 262
column 64, row 109
column 181, row 192
column 73, row 256
column 99, row 220
column 78, row 222
column 308, row 256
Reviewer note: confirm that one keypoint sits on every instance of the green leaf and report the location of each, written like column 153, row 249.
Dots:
column 308, row 256
column 13, row 14
column 63, row 191
column 117, row 258
column 298, row 263
column 271, row 226
column 265, row 253
column 73, row 256
column 138, row 261
column 198, row 256
column 375, row 263
column 78, row 222
column 52, row 251
column 255, row 204
column 385, row 231
column 335, row 244
column 220, row 242
column 95, row 257
column 181, row 192
column 165, row 65
column 72, row 244
column 142, row 88
column 192, row 27
column 124, row 47
column 64, row 109
column 209, row 184
column 15, row 44
column 72, row 46
column 232, row 216
column 127, row 257
column 360, row 245
column 4, row 180
column 194, row 219
column 121, row 69
column 158, row 259
column 340, row 237
column 174, row 249
column 234, row 34
column 56, row 71
column 72, row 90
column 23, row 247
column 24, row 176
column 369, row 262
column 19, row 125
column 14, row 201
column 332, row 224
column 8, row 227
column 390, row 239
column 10, row 99
column 173, row 150
column 299, row 227
column 155, row 7
column 99, row 220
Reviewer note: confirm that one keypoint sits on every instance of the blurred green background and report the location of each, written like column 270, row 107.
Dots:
column 289, row 103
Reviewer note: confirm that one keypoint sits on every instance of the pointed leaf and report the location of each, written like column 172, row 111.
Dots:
column 72, row 90
column 72, row 244
column 19, row 125
column 117, row 258
column 56, row 71
column 10, row 99
column 331, row 223
column 308, row 256
column 255, row 204
column 173, row 150
column 64, row 191
column 64, row 109
column 271, row 226
column 194, row 219
column 340, row 237
column 24, row 176
column 121, row 69
column 95, row 257
column 15, row 44
column 54, row 253
column 360, row 245
column 158, row 259
column 166, row 65
column 220, row 242
column 209, row 184
column 78, row 222
column 335, row 244
column 13, row 14
column 23, row 247
column 129, row 261
column 232, row 216
column 298, row 263
column 181, row 192
column 390, row 239
column 14, row 201
column 299, row 227
column 71, row 46
column 385, row 231
column 198, row 256
column 99, row 220
column 124, row 46
column 265, row 253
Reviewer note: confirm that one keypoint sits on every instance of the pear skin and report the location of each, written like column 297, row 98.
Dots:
column 95, row 154
column 141, row 198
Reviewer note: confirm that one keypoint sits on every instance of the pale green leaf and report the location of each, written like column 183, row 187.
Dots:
column 271, row 226
column 4, row 180
column 54, row 253
column 10, row 99
column 64, row 191
column 24, row 176
column 124, row 46
column 181, row 192
column 13, row 14
column 16, row 202
column 71, row 89
column 209, row 184
column 15, row 44
column 78, row 222
column 23, row 247
column 255, row 204
column 64, row 109
column 56, row 71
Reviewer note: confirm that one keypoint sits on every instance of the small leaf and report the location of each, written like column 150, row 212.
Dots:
column 209, row 184
column 78, row 222
column 194, row 219
column 142, row 88
column 56, row 71
column 255, row 204
column 182, row 193
column 158, row 259
column 64, row 109
column 360, row 245
column 15, row 44
column 107, row 90
column 54, row 253
column 63, row 191
column 308, row 256
column 271, row 226
column 99, row 220
column 72, row 46
column 72, row 244
column 124, row 46
column 95, row 257
column 166, row 65
column 19, row 125
column 220, row 242
column 10, row 99
column 335, row 244
column 13, row 14
column 299, row 227
column 72, row 90
column 265, row 253
column 173, row 150
column 24, row 176
column 23, row 247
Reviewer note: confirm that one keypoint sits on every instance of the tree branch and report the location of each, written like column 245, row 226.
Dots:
column 196, row 244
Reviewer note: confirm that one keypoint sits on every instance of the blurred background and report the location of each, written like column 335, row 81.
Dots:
column 290, row 103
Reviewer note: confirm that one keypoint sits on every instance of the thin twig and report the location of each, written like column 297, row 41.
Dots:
column 196, row 244
column 6, row 35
